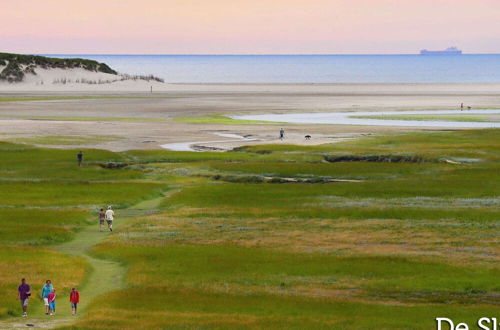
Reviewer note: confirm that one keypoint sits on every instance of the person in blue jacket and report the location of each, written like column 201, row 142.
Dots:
column 46, row 290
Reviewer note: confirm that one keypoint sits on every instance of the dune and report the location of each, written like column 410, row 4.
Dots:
column 40, row 73
column 77, row 79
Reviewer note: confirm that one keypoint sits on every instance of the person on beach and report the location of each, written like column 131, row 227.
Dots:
column 79, row 156
column 24, row 293
column 282, row 134
column 462, row 107
column 46, row 290
column 74, row 299
column 102, row 217
column 109, row 217
column 52, row 302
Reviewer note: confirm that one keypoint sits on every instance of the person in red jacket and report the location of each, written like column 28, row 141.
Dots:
column 74, row 299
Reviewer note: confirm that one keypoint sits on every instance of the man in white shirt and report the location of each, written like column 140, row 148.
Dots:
column 109, row 218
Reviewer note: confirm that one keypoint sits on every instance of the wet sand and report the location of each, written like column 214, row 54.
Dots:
column 147, row 121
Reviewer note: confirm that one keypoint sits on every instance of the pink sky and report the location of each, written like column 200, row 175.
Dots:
column 248, row 26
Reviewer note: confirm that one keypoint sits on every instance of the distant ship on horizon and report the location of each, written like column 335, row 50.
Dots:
column 447, row 51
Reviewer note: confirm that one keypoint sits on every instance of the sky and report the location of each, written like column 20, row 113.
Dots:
column 248, row 26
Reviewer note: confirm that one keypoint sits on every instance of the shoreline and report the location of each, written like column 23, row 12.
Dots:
column 143, row 87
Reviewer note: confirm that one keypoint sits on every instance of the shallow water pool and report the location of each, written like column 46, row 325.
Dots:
column 346, row 118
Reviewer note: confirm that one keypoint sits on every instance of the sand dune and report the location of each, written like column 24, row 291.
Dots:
column 78, row 79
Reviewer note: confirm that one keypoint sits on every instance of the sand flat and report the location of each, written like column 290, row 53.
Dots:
column 148, row 120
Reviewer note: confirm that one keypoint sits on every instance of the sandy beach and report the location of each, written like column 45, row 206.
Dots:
column 126, row 115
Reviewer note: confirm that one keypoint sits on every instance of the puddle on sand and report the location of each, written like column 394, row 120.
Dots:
column 190, row 146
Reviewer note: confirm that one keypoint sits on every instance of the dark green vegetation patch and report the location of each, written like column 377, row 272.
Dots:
column 17, row 66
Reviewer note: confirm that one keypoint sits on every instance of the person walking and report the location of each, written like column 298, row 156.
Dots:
column 74, row 299
column 46, row 290
column 79, row 156
column 102, row 217
column 52, row 302
column 282, row 134
column 110, row 214
column 24, row 293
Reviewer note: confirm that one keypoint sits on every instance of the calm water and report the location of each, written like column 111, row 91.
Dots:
column 348, row 118
column 307, row 68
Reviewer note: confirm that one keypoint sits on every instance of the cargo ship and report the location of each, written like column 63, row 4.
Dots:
column 447, row 51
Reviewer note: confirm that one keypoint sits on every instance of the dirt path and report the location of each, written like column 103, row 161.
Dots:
column 105, row 275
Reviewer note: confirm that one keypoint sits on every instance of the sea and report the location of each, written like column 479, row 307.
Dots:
column 307, row 68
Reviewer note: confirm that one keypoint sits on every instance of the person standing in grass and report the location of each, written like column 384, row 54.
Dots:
column 24, row 292
column 282, row 134
column 109, row 217
column 79, row 156
column 52, row 302
column 102, row 217
column 74, row 299
column 46, row 290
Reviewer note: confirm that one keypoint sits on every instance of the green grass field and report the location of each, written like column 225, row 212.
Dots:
column 414, row 237
column 46, row 199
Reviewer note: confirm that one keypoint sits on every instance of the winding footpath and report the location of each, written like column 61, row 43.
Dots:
column 104, row 276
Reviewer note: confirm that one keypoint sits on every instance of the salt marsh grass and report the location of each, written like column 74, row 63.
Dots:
column 36, row 264
column 45, row 199
column 408, row 242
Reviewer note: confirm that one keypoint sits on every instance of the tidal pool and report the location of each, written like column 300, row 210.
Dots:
column 346, row 118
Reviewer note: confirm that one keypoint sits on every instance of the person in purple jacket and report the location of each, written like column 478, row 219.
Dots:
column 24, row 293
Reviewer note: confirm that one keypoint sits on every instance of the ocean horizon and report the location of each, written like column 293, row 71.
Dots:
column 314, row 68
